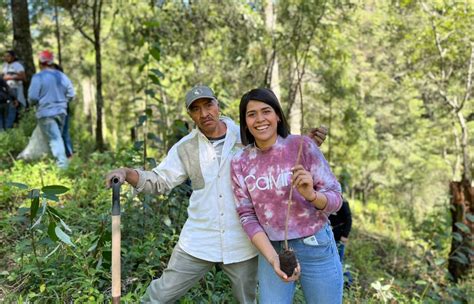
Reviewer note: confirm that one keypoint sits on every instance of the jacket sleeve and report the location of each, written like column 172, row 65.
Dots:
column 346, row 219
column 34, row 89
column 324, row 180
column 243, row 202
column 162, row 179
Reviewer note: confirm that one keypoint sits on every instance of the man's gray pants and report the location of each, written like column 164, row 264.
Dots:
column 184, row 271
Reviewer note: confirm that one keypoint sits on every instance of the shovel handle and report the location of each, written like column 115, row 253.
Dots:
column 116, row 196
column 116, row 280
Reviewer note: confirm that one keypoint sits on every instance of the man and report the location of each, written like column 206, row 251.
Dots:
column 212, row 233
column 13, row 73
column 51, row 90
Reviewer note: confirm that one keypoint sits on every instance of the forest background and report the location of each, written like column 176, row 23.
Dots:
column 391, row 79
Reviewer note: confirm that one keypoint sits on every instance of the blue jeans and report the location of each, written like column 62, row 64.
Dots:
column 321, row 272
column 52, row 127
column 11, row 116
column 67, row 138
column 341, row 248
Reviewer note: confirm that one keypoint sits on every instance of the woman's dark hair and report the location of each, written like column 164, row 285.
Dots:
column 13, row 54
column 266, row 96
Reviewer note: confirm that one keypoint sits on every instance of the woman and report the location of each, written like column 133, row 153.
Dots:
column 262, row 176
column 13, row 73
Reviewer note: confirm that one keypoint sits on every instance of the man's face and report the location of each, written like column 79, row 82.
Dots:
column 205, row 114
column 8, row 58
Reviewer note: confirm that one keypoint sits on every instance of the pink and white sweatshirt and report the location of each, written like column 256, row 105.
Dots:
column 261, row 181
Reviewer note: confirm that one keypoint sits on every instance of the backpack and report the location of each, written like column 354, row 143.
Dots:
column 4, row 96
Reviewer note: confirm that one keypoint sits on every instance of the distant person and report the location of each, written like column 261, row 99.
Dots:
column 51, row 90
column 6, row 98
column 65, row 134
column 13, row 73
column 341, row 222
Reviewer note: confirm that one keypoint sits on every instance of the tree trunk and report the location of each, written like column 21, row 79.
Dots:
column 99, row 139
column 273, row 70
column 462, row 203
column 22, row 37
column 57, row 32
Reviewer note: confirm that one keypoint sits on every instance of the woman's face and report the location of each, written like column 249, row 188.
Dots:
column 7, row 57
column 262, row 122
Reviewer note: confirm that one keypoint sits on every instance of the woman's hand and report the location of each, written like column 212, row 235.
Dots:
column 303, row 181
column 275, row 262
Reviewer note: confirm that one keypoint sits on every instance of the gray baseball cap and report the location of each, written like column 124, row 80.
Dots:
column 198, row 92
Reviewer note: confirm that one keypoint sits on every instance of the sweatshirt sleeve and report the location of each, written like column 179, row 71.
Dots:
column 244, row 205
column 323, row 178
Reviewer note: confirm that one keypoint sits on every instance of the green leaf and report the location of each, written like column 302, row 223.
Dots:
column 459, row 259
column 54, row 189
column 463, row 227
column 55, row 212
column 421, row 282
column 141, row 120
column 150, row 92
column 470, row 217
column 157, row 72
column 151, row 23
column 457, row 236
column 138, row 145
column 155, row 53
column 154, row 79
column 93, row 246
column 18, row 185
column 440, row 261
column 149, row 112
column 63, row 236
column 44, row 205
column 65, row 226
column 51, row 231
column 50, row 197
column 34, row 203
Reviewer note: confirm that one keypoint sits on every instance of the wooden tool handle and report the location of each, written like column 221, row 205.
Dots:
column 116, row 259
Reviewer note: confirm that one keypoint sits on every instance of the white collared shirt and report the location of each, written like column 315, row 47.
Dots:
column 212, row 231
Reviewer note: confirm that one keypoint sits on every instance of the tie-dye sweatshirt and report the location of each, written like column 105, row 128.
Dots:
column 261, row 182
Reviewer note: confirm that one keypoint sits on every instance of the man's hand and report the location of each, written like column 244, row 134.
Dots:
column 318, row 134
column 120, row 174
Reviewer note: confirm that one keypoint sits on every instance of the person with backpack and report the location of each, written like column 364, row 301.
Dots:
column 341, row 223
column 13, row 73
column 6, row 98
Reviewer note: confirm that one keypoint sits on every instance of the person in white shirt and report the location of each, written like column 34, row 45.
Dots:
column 212, row 233
column 13, row 73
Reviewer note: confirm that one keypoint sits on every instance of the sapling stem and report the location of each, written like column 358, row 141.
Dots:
column 291, row 195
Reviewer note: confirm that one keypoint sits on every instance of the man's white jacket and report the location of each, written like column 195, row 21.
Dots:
column 212, row 231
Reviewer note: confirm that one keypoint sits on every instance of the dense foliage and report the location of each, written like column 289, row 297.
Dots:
column 370, row 70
